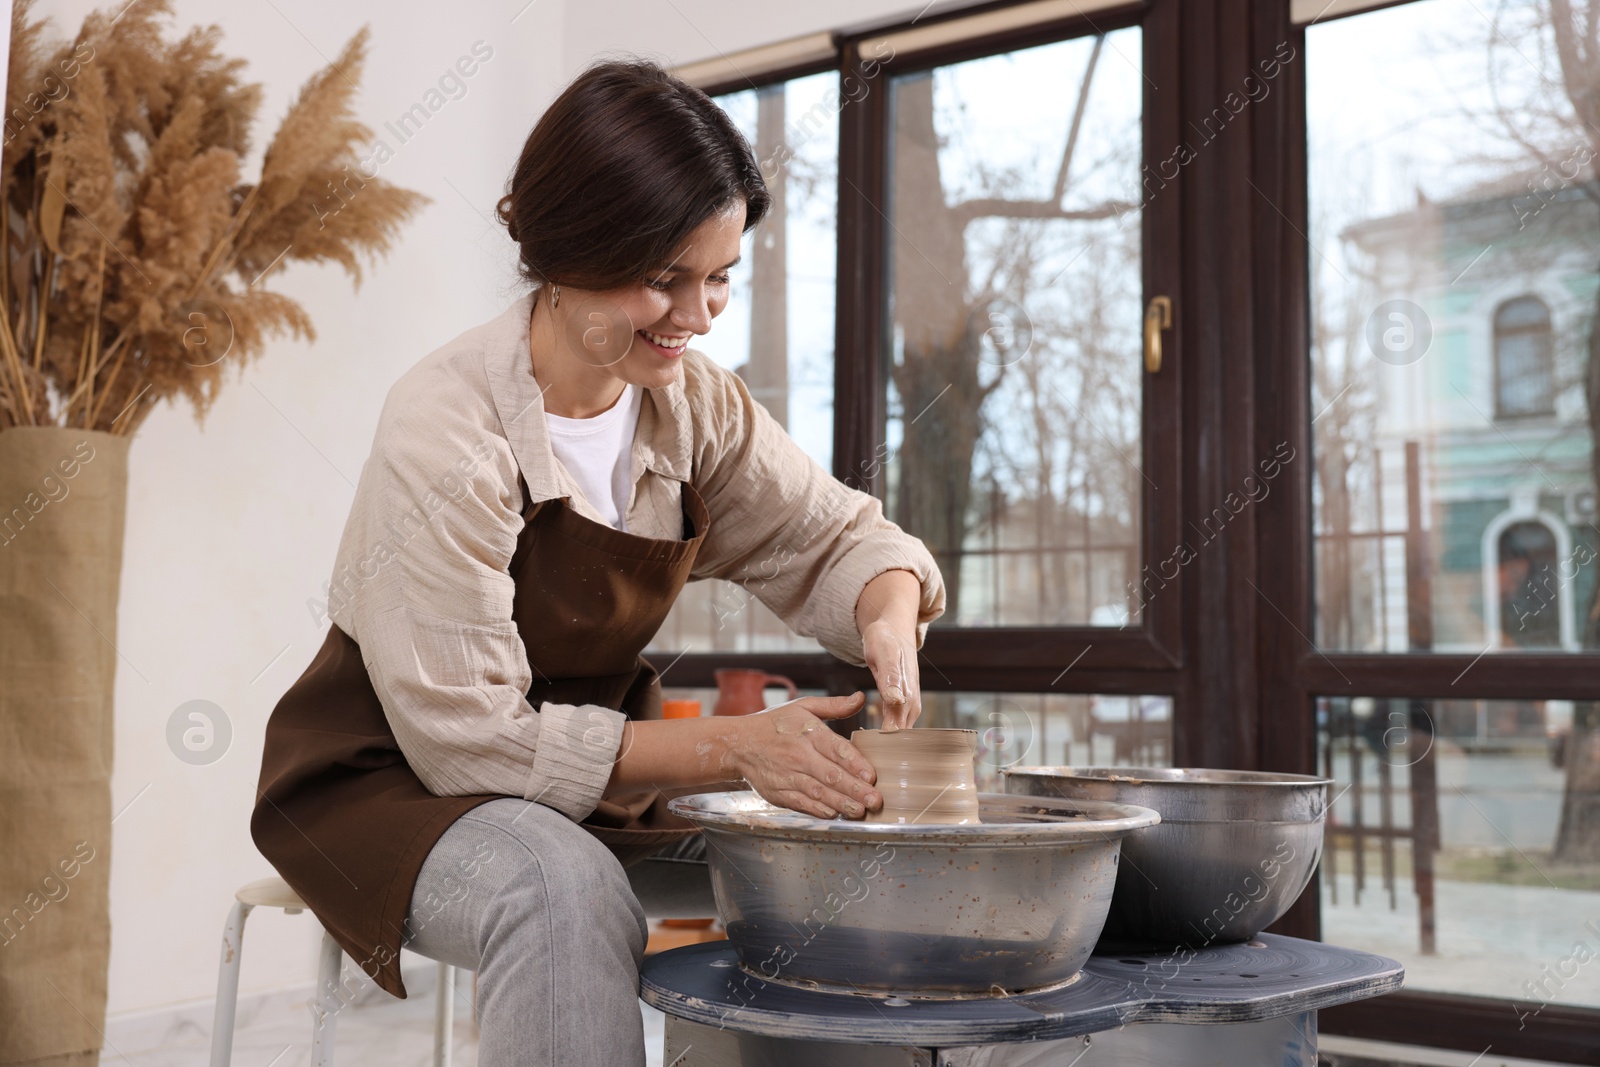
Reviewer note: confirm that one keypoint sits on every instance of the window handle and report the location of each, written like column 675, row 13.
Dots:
column 1157, row 317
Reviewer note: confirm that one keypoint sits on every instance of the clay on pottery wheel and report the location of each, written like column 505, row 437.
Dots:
column 925, row 776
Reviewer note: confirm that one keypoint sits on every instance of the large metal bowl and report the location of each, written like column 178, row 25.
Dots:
column 1014, row 902
column 1233, row 851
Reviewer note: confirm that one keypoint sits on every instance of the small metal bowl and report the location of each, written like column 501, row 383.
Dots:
column 1012, row 903
column 1233, row 851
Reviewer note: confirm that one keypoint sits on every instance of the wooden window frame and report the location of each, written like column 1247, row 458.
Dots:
column 1134, row 660
column 1232, row 645
column 1294, row 672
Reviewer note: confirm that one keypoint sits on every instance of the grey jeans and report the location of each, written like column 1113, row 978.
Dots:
column 554, row 927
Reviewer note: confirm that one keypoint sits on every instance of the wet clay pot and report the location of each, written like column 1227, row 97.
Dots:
column 925, row 776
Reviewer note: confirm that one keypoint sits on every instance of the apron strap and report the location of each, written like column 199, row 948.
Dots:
column 529, row 509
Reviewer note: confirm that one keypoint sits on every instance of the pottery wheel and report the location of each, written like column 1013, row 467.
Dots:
column 1263, row 979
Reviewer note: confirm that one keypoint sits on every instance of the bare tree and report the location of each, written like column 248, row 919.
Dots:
column 1557, row 118
column 943, row 314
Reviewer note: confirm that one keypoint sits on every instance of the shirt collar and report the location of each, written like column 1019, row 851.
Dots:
column 663, row 442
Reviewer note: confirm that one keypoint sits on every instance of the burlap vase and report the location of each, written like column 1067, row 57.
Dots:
column 63, row 494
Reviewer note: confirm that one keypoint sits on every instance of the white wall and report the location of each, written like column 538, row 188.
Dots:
column 231, row 528
column 687, row 31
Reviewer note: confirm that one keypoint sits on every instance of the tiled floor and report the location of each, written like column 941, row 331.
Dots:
column 382, row 1033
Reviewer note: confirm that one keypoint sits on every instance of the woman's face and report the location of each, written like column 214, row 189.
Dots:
column 639, row 332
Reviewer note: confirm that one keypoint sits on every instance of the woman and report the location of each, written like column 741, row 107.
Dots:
column 474, row 765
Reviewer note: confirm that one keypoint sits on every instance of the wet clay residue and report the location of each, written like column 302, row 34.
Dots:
column 925, row 776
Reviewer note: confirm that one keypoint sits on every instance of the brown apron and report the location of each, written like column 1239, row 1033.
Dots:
column 341, row 815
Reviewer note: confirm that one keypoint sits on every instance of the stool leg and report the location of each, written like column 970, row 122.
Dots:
column 325, row 1010
column 228, row 985
column 444, row 1016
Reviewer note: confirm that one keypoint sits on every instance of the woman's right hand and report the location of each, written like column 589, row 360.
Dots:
column 791, row 758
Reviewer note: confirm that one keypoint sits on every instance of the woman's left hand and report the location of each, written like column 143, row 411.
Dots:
column 886, row 615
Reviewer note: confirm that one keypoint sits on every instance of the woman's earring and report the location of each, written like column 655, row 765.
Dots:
column 555, row 296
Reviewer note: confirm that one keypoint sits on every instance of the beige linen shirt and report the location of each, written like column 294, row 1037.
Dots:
column 422, row 583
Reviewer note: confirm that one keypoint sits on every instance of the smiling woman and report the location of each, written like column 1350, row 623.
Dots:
column 607, row 216
column 635, row 333
column 484, row 690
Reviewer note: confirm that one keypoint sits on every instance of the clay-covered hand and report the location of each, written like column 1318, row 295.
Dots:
column 887, row 616
column 790, row 756
column 892, row 657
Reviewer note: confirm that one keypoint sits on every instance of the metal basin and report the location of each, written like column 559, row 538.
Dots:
column 1014, row 902
column 1233, row 851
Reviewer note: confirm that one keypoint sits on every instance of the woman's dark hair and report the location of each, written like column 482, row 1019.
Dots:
column 626, row 162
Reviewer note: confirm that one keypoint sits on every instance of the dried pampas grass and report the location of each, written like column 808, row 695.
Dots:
column 134, row 257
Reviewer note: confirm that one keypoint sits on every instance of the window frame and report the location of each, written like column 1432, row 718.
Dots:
column 1234, row 257
column 1141, row 659
column 1296, row 672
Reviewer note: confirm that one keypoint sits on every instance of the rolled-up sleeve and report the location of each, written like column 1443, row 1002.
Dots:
column 804, row 543
column 423, row 586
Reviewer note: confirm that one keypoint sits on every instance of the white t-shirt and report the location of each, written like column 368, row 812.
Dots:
column 598, row 453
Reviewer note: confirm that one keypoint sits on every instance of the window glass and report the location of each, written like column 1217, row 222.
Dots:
column 1066, row 729
column 1014, row 369
column 1454, row 228
column 777, row 330
column 1465, row 843
column 1017, row 729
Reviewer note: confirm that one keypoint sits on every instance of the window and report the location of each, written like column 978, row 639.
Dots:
column 1443, row 848
column 1524, row 371
column 1014, row 378
column 1323, row 535
column 1418, row 224
column 1036, row 729
column 986, row 256
column 1450, row 672
column 778, row 328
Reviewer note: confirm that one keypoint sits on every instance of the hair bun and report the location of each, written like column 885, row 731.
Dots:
column 577, row 215
column 503, row 212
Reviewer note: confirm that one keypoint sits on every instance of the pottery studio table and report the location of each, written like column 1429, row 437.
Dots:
column 1239, row 1005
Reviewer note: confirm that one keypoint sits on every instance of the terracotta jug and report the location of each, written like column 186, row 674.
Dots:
column 739, row 690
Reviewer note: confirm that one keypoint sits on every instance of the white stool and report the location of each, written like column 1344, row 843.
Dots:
column 274, row 892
